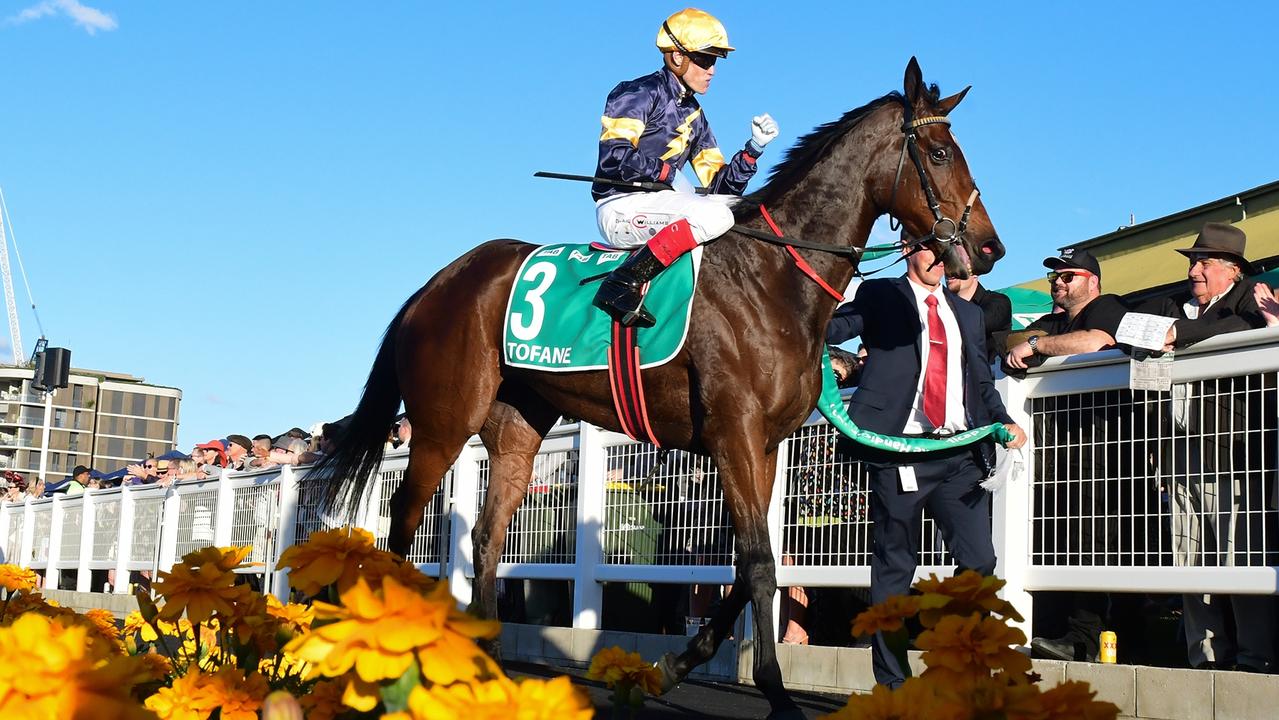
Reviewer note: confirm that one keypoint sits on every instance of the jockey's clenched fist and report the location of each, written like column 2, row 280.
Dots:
column 763, row 129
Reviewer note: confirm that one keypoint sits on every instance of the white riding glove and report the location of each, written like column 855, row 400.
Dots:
column 763, row 130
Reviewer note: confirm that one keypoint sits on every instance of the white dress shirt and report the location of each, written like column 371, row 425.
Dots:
column 918, row 422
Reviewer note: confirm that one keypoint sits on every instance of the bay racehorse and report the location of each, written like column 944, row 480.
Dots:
column 746, row 378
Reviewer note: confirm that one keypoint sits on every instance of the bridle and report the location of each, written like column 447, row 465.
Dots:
column 945, row 231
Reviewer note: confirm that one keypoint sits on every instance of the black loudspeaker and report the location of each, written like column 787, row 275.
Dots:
column 53, row 369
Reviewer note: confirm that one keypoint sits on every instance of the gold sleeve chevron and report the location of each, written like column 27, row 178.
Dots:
column 628, row 129
column 706, row 163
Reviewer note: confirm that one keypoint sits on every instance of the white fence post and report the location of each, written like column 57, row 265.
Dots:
column 224, row 509
column 588, row 595
column 52, row 576
column 28, row 534
column 286, row 532
column 776, row 505
column 1011, row 511
column 124, row 541
column 5, row 516
column 84, row 576
column 463, row 514
column 168, row 553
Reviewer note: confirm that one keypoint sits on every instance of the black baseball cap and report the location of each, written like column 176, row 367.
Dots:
column 1072, row 259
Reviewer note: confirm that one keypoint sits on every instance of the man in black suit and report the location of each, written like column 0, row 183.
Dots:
column 1213, row 463
column 926, row 375
column 996, row 310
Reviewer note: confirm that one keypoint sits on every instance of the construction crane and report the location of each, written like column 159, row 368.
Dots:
column 11, row 305
column 15, row 331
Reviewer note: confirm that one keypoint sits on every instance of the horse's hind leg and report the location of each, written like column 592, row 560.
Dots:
column 512, row 433
column 430, row 457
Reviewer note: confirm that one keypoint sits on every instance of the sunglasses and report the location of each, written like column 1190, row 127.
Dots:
column 705, row 61
column 1067, row 276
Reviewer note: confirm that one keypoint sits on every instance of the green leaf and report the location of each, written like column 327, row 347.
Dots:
column 396, row 695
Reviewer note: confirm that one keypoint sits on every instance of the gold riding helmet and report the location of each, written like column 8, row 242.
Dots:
column 693, row 31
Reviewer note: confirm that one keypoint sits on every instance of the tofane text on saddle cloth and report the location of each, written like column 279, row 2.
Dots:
column 551, row 323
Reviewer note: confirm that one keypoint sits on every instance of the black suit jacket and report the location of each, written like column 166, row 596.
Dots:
column 997, row 311
column 1236, row 310
column 884, row 315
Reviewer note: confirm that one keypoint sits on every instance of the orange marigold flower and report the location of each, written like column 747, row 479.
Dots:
column 324, row 701
column 236, row 696
column 14, row 578
column 295, row 616
column 199, row 590
column 225, row 559
column 406, row 573
column 964, row 594
column 334, row 556
column 48, row 669
column 614, row 665
column 103, row 623
column 156, row 666
column 1074, row 700
column 380, row 633
column 185, row 700
column 1010, row 697
column 914, row 700
column 971, row 645
column 24, row 603
column 887, row 616
column 500, row 699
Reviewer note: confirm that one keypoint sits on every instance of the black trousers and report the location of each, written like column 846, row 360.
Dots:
column 949, row 486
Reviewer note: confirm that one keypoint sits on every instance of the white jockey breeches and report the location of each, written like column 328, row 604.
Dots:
column 629, row 220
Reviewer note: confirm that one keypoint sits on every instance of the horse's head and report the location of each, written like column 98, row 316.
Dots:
column 933, row 194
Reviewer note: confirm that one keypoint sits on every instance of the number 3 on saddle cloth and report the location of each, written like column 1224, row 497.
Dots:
column 552, row 325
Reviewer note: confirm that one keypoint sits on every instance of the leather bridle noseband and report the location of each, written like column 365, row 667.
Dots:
column 945, row 231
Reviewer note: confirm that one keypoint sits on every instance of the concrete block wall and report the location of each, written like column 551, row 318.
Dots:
column 1139, row 691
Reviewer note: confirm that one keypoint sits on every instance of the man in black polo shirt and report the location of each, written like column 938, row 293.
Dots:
column 1074, row 490
column 1088, row 320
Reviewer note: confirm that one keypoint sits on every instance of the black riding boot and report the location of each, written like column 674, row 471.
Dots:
column 619, row 294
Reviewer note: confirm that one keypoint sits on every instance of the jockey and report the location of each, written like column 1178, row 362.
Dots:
column 653, row 126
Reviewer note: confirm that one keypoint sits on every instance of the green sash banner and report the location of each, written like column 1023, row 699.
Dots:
column 831, row 406
column 552, row 325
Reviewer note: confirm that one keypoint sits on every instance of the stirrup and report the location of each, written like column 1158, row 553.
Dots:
column 639, row 317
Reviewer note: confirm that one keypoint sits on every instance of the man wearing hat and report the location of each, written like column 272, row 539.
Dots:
column 1088, row 320
column 238, row 451
column 1210, row 459
column 1220, row 298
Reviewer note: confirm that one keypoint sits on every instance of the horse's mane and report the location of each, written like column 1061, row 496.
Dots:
column 809, row 149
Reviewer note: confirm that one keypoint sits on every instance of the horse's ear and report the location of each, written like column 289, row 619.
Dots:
column 913, row 86
column 945, row 105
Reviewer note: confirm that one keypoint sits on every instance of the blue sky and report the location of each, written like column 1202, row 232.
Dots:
column 235, row 198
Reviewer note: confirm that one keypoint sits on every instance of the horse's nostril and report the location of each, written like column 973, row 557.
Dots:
column 993, row 249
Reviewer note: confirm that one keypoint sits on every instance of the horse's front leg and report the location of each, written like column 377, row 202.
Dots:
column 746, row 472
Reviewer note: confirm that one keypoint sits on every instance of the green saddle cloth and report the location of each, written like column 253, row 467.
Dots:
column 552, row 325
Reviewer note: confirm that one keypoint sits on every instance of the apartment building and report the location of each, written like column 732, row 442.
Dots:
column 103, row 420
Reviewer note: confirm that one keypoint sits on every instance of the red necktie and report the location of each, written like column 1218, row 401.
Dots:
column 935, row 374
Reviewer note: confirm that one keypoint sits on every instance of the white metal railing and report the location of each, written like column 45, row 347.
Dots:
column 1103, row 500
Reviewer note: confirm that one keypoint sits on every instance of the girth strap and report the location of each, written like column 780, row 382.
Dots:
column 626, row 386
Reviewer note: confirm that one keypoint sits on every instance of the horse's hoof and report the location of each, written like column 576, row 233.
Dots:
column 670, row 678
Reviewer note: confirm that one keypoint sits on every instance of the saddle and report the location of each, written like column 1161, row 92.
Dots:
column 551, row 324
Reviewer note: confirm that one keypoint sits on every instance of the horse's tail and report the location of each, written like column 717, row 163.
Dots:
column 344, row 474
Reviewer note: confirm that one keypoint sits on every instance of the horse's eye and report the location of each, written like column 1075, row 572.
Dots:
column 939, row 155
